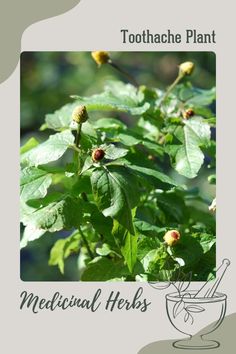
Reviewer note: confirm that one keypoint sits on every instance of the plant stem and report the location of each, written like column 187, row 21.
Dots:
column 129, row 77
column 86, row 243
column 78, row 135
column 171, row 87
column 77, row 151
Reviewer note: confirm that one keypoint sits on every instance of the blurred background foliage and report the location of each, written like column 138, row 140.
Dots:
column 47, row 81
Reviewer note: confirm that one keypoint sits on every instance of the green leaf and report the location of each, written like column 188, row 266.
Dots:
column 101, row 224
column 115, row 192
column 34, row 183
column 189, row 157
column 128, row 139
column 154, row 147
column 188, row 249
column 58, row 215
column 109, row 123
column 189, row 160
column 31, row 233
column 117, row 97
column 173, row 206
column 61, row 118
column 129, row 250
column 51, row 150
column 113, row 152
column 104, row 250
column 30, row 144
column 153, row 175
column 127, row 244
column 145, row 228
column 62, row 249
column 156, row 260
column 146, row 244
column 88, row 136
column 104, row 269
column 203, row 97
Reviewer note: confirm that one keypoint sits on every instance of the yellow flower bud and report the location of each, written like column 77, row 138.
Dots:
column 171, row 237
column 100, row 57
column 186, row 68
column 79, row 114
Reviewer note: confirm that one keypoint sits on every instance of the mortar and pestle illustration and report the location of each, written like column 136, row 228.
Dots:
column 190, row 311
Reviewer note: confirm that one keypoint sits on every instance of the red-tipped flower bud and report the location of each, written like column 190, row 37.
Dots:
column 171, row 237
column 98, row 155
column 188, row 113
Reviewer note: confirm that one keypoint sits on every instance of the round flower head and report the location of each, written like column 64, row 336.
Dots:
column 171, row 237
column 100, row 57
column 186, row 68
column 79, row 114
column 98, row 154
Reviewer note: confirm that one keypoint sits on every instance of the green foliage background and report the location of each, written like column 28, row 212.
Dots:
column 47, row 81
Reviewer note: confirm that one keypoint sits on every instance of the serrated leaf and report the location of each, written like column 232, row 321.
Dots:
column 34, row 183
column 59, row 215
column 61, row 118
column 51, row 150
column 189, row 157
column 189, row 160
column 202, row 97
column 115, row 192
column 117, row 97
column 201, row 131
column 112, row 152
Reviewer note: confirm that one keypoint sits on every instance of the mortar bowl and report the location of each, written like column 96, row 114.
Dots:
column 195, row 317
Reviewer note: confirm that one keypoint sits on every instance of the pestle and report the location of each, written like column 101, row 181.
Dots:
column 209, row 288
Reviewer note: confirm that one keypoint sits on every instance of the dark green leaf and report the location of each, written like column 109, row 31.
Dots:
column 115, row 192
column 59, row 215
column 104, row 269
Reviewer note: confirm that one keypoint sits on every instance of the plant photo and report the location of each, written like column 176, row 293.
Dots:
column 118, row 164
